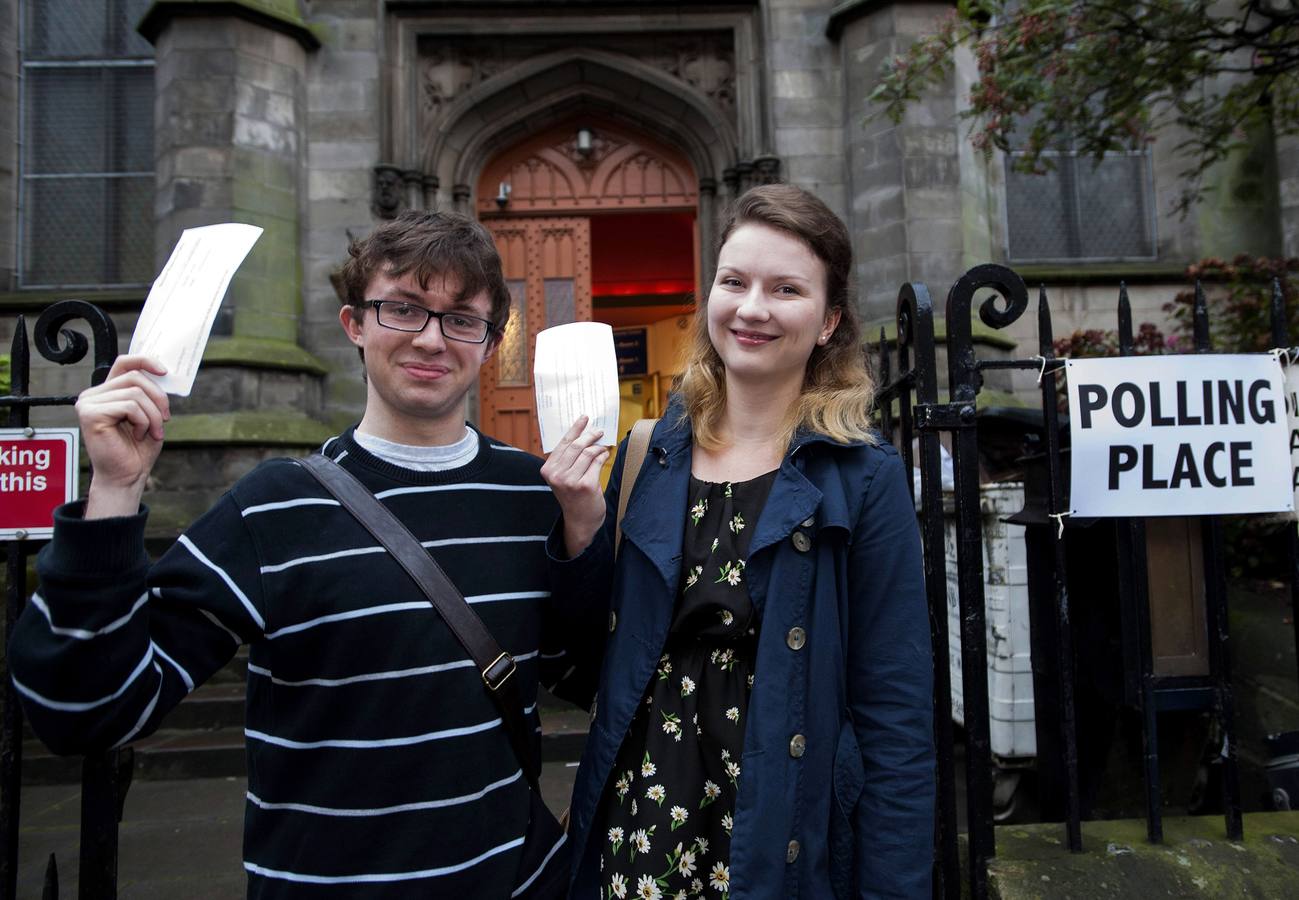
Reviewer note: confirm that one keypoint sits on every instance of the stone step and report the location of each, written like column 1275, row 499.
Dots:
column 191, row 752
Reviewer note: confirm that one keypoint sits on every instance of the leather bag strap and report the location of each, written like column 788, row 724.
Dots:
column 637, row 447
column 496, row 666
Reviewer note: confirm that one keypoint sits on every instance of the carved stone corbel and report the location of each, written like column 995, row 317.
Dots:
column 386, row 198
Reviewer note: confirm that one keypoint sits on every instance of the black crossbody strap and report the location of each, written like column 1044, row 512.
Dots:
column 495, row 665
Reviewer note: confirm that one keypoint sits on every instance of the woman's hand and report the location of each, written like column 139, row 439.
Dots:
column 121, row 424
column 573, row 472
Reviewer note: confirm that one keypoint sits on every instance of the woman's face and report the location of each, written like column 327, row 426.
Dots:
column 767, row 307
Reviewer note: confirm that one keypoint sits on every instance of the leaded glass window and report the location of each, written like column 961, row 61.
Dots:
column 87, row 184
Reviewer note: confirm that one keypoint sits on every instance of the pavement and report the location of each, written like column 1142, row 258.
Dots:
column 178, row 839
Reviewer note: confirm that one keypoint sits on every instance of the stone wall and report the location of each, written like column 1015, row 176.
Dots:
column 905, row 180
column 343, row 122
column 806, row 99
column 8, row 145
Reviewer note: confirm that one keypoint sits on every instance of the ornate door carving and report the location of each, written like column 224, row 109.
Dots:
column 547, row 264
column 618, row 171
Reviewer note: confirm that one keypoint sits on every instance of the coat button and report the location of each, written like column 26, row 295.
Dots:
column 796, row 638
column 797, row 745
column 809, row 521
column 613, row 620
column 791, row 853
column 802, row 543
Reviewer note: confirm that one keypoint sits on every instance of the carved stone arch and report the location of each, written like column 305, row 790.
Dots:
column 466, row 166
column 623, row 168
column 540, row 91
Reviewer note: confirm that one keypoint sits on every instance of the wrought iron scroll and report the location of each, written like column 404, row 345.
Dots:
column 964, row 381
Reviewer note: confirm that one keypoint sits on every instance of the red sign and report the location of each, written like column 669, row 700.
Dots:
column 38, row 472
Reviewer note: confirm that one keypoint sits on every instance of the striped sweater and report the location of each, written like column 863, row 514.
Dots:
column 377, row 764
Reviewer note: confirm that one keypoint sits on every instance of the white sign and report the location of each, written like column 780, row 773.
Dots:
column 576, row 374
column 183, row 302
column 1178, row 436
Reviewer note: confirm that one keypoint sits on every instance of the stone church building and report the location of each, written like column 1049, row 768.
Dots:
column 600, row 142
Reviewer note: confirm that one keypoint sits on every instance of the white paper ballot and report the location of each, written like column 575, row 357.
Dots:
column 575, row 371
column 183, row 302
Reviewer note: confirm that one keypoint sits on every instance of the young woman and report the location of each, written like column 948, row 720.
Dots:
column 764, row 716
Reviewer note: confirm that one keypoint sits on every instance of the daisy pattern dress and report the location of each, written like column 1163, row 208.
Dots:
column 667, row 821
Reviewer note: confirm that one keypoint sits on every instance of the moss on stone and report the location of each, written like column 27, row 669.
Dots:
column 38, row 298
column 1102, row 273
column 283, row 15
column 267, row 429
column 1195, row 860
column 261, row 353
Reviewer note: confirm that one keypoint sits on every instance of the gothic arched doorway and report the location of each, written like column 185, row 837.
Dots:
column 594, row 222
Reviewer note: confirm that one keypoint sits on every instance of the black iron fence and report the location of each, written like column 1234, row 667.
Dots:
column 105, row 777
column 921, row 420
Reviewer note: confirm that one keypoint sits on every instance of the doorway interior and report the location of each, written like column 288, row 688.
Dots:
column 595, row 222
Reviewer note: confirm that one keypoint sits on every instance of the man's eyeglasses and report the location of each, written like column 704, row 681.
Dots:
column 402, row 316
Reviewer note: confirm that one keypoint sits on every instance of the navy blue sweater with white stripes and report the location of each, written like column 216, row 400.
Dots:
column 377, row 764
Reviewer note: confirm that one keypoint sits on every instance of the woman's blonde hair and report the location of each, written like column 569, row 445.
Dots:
column 838, row 391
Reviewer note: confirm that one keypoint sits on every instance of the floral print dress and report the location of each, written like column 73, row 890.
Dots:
column 666, row 822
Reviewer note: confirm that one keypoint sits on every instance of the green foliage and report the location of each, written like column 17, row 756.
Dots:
column 1108, row 75
column 5, row 380
column 1094, row 343
column 1238, row 298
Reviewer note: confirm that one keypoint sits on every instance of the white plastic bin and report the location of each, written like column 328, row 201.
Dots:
column 1005, row 592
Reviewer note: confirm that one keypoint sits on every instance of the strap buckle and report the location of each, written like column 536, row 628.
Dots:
column 499, row 672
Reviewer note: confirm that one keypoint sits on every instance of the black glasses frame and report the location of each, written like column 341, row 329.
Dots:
column 429, row 315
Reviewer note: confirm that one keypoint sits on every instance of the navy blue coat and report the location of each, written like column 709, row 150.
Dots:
column 835, row 553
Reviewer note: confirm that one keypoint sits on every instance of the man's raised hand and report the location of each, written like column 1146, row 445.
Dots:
column 122, row 428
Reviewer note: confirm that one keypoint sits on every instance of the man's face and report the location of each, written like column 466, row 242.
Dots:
column 416, row 382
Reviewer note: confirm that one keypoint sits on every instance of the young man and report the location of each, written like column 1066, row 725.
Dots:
column 377, row 763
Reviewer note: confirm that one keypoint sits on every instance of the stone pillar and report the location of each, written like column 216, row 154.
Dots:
column 707, row 234
column 744, row 176
column 230, row 100
column 8, row 146
column 1287, row 159
column 414, row 181
column 229, row 109
column 430, row 192
column 460, row 195
column 905, row 203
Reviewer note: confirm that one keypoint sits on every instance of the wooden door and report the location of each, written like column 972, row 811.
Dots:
column 547, row 264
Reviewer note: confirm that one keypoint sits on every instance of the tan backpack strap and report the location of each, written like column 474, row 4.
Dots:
column 637, row 446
